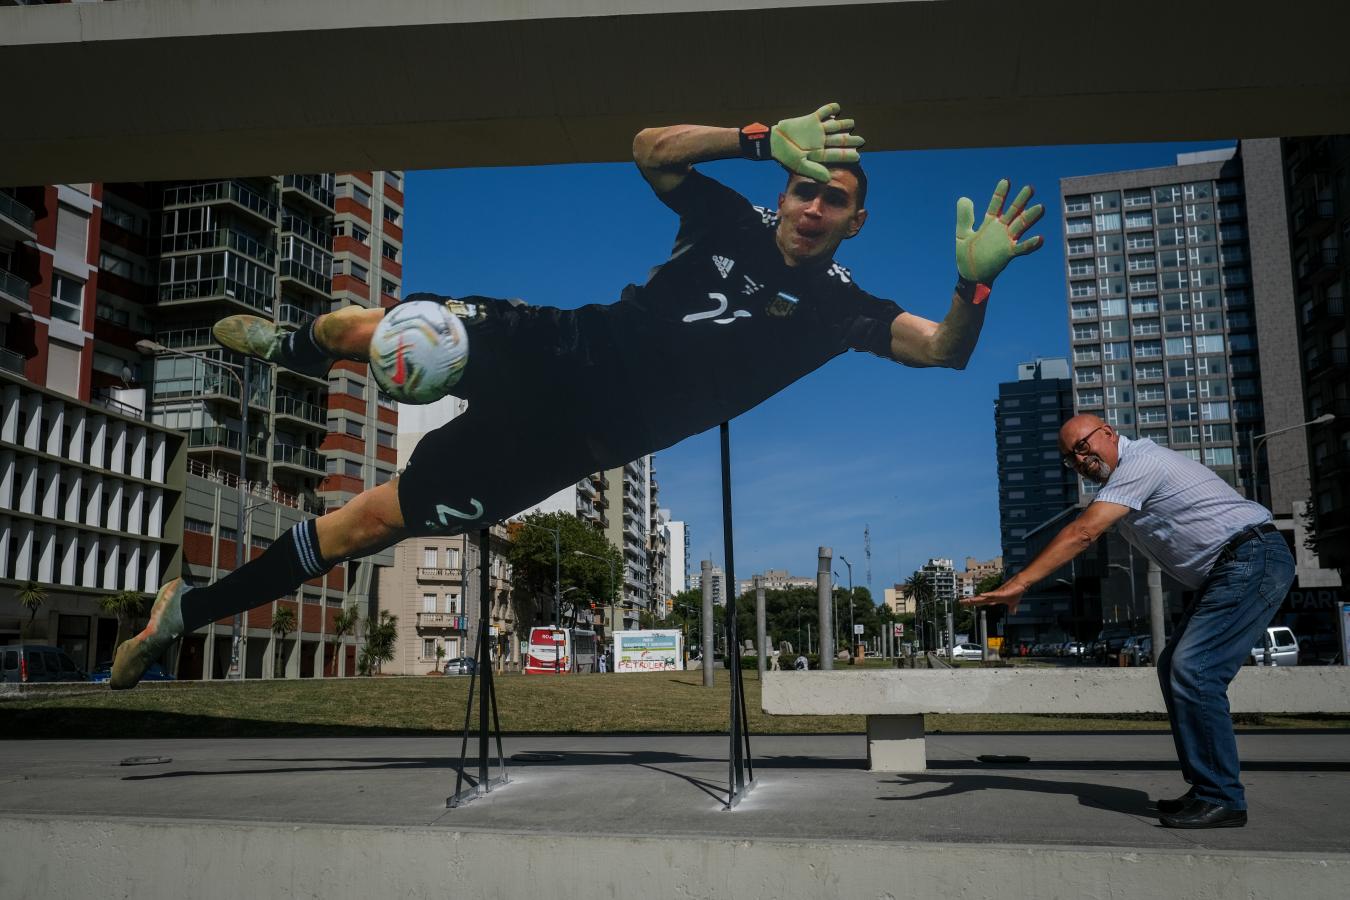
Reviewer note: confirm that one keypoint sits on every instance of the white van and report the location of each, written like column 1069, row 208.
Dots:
column 1278, row 647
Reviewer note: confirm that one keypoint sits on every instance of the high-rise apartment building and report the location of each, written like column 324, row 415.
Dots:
column 678, row 545
column 1161, row 310
column 628, row 500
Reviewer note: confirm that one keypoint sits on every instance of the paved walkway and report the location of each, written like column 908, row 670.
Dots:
column 1079, row 790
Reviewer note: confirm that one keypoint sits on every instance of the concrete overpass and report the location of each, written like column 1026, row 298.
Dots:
column 141, row 89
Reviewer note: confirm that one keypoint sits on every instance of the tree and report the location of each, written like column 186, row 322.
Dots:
column 534, row 560
column 920, row 588
column 344, row 623
column 283, row 623
column 31, row 597
column 381, row 636
column 127, row 606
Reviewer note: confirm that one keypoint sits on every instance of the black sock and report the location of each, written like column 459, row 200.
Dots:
column 291, row 560
column 300, row 352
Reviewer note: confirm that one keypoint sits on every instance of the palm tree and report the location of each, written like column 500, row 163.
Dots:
column 381, row 636
column 920, row 587
column 283, row 623
column 126, row 606
column 31, row 596
column 344, row 624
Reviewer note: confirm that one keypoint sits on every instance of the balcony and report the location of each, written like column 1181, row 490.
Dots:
column 587, row 489
column 217, row 437
column 1320, row 266
column 240, row 195
column 186, row 338
column 216, row 289
column 317, row 188
column 600, row 481
column 297, row 273
column 440, row 574
column 14, row 293
column 294, row 408
column 1336, row 359
column 1313, row 217
column 16, row 220
column 301, row 458
column 219, row 239
column 11, row 361
column 294, row 316
column 442, row 621
column 303, row 228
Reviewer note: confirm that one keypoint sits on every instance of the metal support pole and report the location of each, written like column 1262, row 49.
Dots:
column 824, row 609
column 236, row 669
column 738, row 759
column 1156, row 610
column 761, row 639
column 984, row 635
column 709, row 647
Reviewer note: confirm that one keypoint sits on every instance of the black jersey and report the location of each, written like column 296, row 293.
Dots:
column 725, row 323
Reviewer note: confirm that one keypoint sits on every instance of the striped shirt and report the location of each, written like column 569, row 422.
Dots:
column 1181, row 514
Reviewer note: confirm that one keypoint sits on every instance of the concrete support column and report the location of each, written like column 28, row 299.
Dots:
column 75, row 416
column 825, row 607
column 49, row 504
column 54, row 416
column 70, row 510
column 6, row 564
column 9, row 414
column 31, row 406
column 709, row 645
column 896, row 744
column 109, row 573
column 24, row 567
column 136, row 451
column 113, row 490
column 93, row 510
column 158, row 450
column 89, row 574
column 28, row 475
column 117, row 436
column 761, row 639
column 152, row 566
column 1157, row 610
column 97, row 426
column 131, row 567
column 135, row 523
column 46, row 554
column 8, row 478
column 68, row 564
column 154, row 512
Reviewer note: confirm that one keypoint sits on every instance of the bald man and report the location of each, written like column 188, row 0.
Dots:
column 1216, row 543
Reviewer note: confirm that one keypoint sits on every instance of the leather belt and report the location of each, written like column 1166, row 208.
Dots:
column 1229, row 551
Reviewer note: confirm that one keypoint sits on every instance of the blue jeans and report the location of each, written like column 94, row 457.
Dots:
column 1215, row 637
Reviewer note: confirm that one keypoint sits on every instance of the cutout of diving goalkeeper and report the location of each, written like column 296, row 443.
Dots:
column 753, row 295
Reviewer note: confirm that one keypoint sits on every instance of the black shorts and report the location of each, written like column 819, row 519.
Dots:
column 547, row 398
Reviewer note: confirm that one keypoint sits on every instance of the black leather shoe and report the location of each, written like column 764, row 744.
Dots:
column 1203, row 814
column 1171, row 807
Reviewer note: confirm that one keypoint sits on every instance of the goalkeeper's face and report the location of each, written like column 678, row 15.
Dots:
column 814, row 218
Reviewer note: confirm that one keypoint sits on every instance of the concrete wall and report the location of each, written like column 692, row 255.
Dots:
column 476, row 82
column 66, row 857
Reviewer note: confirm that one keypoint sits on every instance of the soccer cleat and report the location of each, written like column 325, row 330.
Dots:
column 135, row 655
column 261, row 339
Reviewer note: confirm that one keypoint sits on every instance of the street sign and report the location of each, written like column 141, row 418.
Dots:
column 899, row 629
column 857, row 629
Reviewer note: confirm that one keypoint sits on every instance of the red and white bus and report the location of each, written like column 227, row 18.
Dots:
column 560, row 651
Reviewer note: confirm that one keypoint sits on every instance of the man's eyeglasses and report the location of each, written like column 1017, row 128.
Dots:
column 1080, row 448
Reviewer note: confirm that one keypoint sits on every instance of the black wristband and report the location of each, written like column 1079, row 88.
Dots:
column 971, row 291
column 755, row 142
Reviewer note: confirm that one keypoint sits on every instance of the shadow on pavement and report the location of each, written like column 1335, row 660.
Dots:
column 1096, row 796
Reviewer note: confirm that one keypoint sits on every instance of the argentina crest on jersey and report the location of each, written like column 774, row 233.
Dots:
column 782, row 305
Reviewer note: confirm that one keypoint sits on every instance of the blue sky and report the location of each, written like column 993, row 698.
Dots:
column 909, row 452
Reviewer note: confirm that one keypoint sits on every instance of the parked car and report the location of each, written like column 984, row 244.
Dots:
column 1278, row 647
column 155, row 673
column 1133, row 648
column 1111, row 640
column 968, row 651
column 36, row 663
column 459, row 665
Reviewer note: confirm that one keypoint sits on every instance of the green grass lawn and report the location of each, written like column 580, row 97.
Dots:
column 588, row 704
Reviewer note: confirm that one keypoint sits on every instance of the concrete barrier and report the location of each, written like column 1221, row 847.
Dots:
column 148, row 860
column 895, row 700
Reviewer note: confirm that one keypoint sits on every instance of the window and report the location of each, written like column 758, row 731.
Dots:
column 67, row 298
column 1087, row 376
column 429, row 558
column 394, row 180
column 1011, row 421
column 1078, row 226
column 452, row 557
column 1211, row 411
column 1152, row 415
column 1186, row 434
column 1177, row 346
column 1107, row 221
column 1013, row 458
column 1082, row 289
column 354, row 428
column 1078, row 203
column 360, row 234
column 1217, row 434
column 1081, row 267
column 1184, row 412
column 1182, row 390
column 1079, row 247
column 1017, row 495
column 1015, row 476
column 1085, row 332
column 385, row 438
column 351, row 468
column 1083, row 310
column 361, row 195
column 1138, row 197
column 1113, row 307
column 1139, row 242
column 358, row 271
column 1116, row 350
column 389, row 251
column 1147, row 349
column 1213, row 343
column 391, row 215
column 429, row 645
column 1108, row 243
column 1152, row 392
column 1143, row 305
column 452, row 604
column 1139, row 219
column 1144, row 327
column 1168, row 194
column 389, row 287
column 1218, row 456
column 1148, row 370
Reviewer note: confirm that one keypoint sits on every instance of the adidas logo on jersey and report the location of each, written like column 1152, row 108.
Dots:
column 751, row 286
column 723, row 265
column 841, row 273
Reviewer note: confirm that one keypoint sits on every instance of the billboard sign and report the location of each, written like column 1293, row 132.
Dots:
column 648, row 651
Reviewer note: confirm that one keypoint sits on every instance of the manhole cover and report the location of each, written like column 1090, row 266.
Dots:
column 145, row 760
column 536, row 757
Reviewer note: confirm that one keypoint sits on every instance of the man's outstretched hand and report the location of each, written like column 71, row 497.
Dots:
column 1009, row 593
column 981, row 255
column 803, row 144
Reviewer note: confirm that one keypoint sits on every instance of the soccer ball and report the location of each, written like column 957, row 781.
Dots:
column 418, row 351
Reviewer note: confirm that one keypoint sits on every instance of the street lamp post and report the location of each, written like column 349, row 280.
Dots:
column 239, row 374
column 853, row 636
column 1254, row 442
column 1130, row 569
column 610, row 623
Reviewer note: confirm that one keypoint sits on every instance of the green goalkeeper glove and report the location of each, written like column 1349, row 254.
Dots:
column 803, row 144
column 981, row 255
